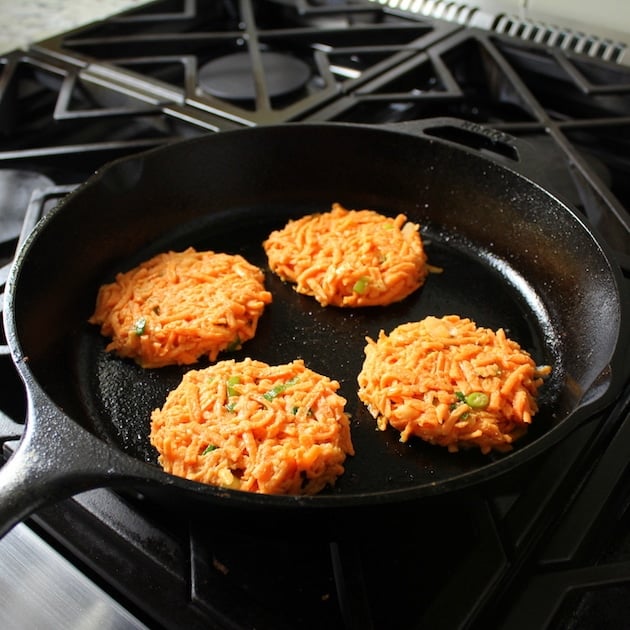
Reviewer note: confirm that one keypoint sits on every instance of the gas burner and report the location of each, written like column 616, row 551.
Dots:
column 232, row 77
column 16, row 189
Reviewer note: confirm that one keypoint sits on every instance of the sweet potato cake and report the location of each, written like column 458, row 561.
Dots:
column 451, row 383
column 180, row 306
column 349, row 258
column 251, row 426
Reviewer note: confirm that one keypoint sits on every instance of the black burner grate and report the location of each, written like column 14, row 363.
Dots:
column 183, row 50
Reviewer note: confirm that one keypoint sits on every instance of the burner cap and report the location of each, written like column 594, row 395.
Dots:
column 232, row 77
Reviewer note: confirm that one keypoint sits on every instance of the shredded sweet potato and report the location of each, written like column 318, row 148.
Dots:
column 349, row 258
column 180, row 306
column 251, row 426
column 451, row 383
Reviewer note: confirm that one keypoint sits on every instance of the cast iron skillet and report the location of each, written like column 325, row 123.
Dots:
column 513, row 256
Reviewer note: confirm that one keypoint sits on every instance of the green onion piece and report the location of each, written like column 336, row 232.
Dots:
column 230, row 406
column 278, row 389
column 231, row 382
column 234, row 345
column 361, row 285
column 140, row 326
column 477, row 400
column 460, row 396
column 209, row 449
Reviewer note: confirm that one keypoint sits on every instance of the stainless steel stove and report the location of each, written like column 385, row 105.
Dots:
column 549, row 548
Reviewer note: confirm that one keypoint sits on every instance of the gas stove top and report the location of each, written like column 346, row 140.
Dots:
column 546, row 549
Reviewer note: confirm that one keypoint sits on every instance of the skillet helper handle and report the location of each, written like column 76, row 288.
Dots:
column 54, row 460
column 515, row 153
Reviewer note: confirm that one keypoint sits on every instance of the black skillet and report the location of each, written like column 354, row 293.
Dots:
column 512, row 254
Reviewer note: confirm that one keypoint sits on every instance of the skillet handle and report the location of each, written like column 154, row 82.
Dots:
column 56, row 459
column 517, row 154
column 466, row 134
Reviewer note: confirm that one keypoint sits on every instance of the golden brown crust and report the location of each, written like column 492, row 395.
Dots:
column 349, row 258
column 180, row 306
column 451, row 383
column 251, row 426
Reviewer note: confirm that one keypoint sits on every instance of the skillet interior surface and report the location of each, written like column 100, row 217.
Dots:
column 512, row 257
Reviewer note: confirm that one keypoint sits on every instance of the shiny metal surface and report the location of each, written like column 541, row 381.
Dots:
column 40, row 589
column 597, row 29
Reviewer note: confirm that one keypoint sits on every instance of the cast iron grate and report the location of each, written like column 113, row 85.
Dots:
column 566, row 106
column 52, row 113
column 251, row 62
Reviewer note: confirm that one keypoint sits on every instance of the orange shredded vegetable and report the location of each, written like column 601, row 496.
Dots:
column 451, row 383
column 180, row 306
column 251, row 426
column 349, row 258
